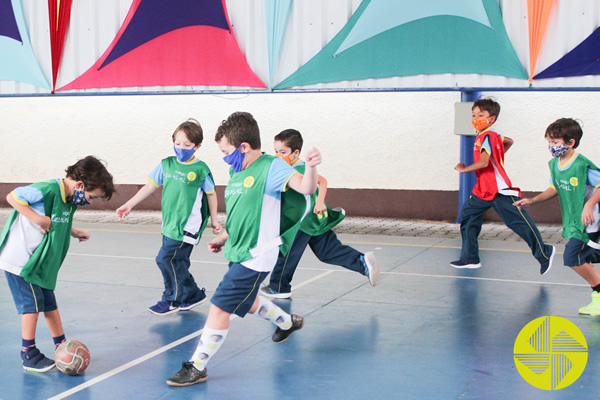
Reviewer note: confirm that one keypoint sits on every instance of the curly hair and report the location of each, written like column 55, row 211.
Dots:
column 93, row 173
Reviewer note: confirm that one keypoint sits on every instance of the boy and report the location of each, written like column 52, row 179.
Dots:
column 188, row 197
column 494, row 189
column 251, row 240
column 34, row 243
column 571, row 174
column 315, row 231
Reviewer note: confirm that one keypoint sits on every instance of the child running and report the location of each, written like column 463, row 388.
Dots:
column 571, row 175
column 188, row 198
column 494, row 189
column 251, row 240
column 315, row 231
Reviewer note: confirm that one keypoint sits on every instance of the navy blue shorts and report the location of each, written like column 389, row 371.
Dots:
column 30, row 298
column 578, row 253
column 238, row 289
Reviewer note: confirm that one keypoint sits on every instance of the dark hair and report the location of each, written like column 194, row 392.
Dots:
column 291, row 138
column 192, row 130
column 489, row 105
column 566, row 129
column 238, row 128
column 93, row 173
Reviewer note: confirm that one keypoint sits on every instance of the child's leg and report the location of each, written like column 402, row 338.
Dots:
column 521, row 223
column 471, row 220
column 55, row 326
column 282, row 274
column 588, row 272
column 29, row 325
column 173, row 260
column 328, row 248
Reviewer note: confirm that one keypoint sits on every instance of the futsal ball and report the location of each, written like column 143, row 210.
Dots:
column 72, row 357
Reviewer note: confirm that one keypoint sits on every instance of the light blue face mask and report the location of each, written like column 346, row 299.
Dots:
column 235, row 159
column 78, row 198
column 184, row 155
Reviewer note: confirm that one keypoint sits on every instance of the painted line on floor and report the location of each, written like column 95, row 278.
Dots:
column 156, row 352
column 142, row 258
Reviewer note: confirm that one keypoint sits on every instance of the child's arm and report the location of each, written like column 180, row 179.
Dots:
column 587, row 215
column 81, row 235
column 507, row 143
column 320, row 206
column 212, row 209
column 141, row 195
column 483, row 162
column 545, row 195
column 43, row 221
column 307, row 183
column 216, row 245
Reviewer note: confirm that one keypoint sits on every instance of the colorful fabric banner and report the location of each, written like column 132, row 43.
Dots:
column 406, row 37
column 582, row 60
column 538, row 12
column 17, row 60
column 59, row 13
column 277, row 13
column 8, row 23
column 180, row 42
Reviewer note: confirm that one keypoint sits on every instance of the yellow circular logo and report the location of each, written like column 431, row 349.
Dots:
column 248, row 182
column 550, row 353
column 191, row 176
column 574, row 181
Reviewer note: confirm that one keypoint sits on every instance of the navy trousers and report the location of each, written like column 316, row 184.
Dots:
column 519, row 221
column 173, row 260
column 326, row 247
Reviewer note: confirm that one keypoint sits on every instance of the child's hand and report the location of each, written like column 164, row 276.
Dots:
column 216, row 245
column 44, row 222
column 460, row 167
column 81, row 235
column 123, row 211
column 587, row 215
column 522, row 203
column 320, row 208
column 216, row 228
column 313, row 157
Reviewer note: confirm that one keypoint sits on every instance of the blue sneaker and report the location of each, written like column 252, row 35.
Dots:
column 163, row 308
column 371, row 268
column 35, row 361
column 268, row 292
column 188, row 306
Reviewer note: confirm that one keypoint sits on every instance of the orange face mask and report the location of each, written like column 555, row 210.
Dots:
column 287, row 159
column 480, row 123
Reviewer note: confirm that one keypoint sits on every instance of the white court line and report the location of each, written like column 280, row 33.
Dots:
column 156, row 352
column 142, row 258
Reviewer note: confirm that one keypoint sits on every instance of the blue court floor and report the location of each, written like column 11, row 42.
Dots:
column 427, row 331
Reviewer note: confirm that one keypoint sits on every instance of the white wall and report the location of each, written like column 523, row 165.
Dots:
column 391, row 140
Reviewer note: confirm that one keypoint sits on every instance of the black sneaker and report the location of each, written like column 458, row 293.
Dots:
column 465, row 264
column 35, row 361
column 546, row 265
column 187, row 375
column 197, row 302
column 281, row 335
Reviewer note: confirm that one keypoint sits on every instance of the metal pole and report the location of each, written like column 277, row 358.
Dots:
column 467, row 180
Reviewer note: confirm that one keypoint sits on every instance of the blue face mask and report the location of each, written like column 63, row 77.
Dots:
column 558, row 151
column 78, row 198
column 184, row 155
column 235, row 159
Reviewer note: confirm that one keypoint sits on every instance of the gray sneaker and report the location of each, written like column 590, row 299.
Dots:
column 371, row 268
column 35, row 361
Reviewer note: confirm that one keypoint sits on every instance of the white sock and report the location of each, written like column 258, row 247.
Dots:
column 269, row 311
column 210, row 342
